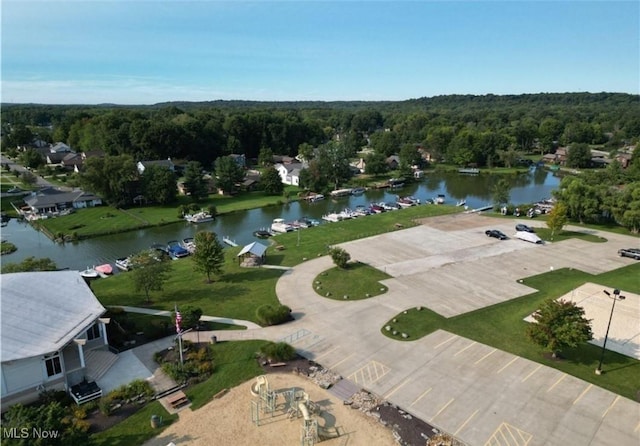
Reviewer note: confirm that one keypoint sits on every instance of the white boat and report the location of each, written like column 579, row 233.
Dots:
column 189, row 244
column 279, row 225
column 461, row 202
column 333, row 217
column 89, row 273
column 340, row 192
column 123, row 264
column 439, row 199
column 312, row 198
column 529, row 237
column 199, row 217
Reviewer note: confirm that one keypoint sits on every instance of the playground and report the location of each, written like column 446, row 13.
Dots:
column 274, row 410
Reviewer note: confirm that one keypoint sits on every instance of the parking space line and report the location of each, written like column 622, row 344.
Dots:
column 508, row 364
column 584, row 392
column 465, row 423
column 486, row 356
column 467, row 347
column 386, row 397
column 443, row 408
column 564, row 375
column 420, row 397
column 611, row 406
column 532, row 372
column 343, row 360
column 445, row 341
column 327, row 352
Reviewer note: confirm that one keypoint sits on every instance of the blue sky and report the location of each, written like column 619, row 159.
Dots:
column 149, row 51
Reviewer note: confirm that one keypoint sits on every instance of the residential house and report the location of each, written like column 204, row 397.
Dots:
column 393, row 161
column 360, row 165
column 290, row 173
column 624, row 159
column 142, row 165
column 50, row 202
column 53, row 335
column 239, row 159
column 60, row 147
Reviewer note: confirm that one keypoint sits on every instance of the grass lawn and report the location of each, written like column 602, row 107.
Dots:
column 545, row 234
column 236, row 294
column 357, row 281
column 92, row 221
column 314, row 242
column 136, row 429
column 502, row 326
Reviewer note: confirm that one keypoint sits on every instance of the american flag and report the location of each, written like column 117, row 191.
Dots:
column 178, row 322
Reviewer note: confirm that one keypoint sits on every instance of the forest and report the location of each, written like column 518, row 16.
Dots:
column 463, row 130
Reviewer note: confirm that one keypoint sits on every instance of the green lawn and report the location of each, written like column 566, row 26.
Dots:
column 502, row 326
column 235, row 363
column 236, row 294
column 314, row 242
column 357, row 281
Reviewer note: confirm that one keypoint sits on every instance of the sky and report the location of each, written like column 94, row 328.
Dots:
column 150, row 51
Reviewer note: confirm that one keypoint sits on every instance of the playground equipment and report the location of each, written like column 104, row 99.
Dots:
column 309, row 432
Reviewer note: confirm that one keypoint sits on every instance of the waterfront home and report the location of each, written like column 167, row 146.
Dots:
column 53, row 336
column 142, row 165
column 51, row 202
column 290, row 173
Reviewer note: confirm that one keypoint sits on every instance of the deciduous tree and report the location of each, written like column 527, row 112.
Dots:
column 557, row 218
column 150, row 272
column 559, row 324
column 271, row 181
column 228, row 173
column 208, row 257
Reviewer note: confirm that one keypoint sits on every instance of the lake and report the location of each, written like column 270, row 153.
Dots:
column 531, row 187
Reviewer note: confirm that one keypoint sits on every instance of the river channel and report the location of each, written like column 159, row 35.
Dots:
column 239, row 226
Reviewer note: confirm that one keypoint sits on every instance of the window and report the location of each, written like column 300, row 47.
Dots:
column 93, row 332
column 53, row 365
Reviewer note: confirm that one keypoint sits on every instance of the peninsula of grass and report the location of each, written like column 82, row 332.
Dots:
column 355, row 282
column 236, row 294
column 502, row 326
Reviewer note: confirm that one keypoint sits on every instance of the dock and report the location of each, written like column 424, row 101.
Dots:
column 482, row 209
column 229, row 242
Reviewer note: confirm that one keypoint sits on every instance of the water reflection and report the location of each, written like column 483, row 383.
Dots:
column 239, row 226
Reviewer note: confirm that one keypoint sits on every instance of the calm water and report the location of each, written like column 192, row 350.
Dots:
column 239, row 226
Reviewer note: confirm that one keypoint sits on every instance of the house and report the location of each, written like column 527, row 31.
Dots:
column 393, row 161
column 239, row 159
column 361, row 165
column 142, row 165
column 290, row 173
column 50, row 201
column 53, row 335
column 60, row 147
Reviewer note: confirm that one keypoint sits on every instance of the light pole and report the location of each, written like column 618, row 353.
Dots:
column 616, row 296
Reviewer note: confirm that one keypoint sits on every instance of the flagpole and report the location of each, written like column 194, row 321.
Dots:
column 179, row 330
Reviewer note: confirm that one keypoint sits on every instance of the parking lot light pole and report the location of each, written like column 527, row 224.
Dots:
column 616, row 296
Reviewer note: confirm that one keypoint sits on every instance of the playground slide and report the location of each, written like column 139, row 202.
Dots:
column 303, row 408
column 261, row 382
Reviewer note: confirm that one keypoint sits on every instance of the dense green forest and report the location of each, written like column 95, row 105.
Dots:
column 462, row 129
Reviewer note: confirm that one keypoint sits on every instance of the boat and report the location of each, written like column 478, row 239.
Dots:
column 340, row 192
column 176, row 250
column 279, row 225
column 389, row 206
column 312, row 197
column 333, row 217
column 309, row 222
column 462, row 202
column 358, row 191
column 104, row 269
column 406, row 202
column 189, row 244
column 123, row 263
column 440, row 199
column 89, row 273
column 376, row 208
column 469, row 171
column 262, row 233
column 199, row 217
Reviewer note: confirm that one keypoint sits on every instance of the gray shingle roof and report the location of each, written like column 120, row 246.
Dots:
column 43, row 311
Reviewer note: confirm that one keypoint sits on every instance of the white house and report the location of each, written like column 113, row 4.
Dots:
column 52, row 335
column 290, row 173
column 51, row 201
column 142, row 165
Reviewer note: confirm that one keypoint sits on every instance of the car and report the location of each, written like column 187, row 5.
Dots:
column 524, row 228
column 496, row 234
column 629, row 252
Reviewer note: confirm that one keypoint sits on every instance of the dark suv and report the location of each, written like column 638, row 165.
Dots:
column 524, row 228
column 495, row 233
column 630, row 252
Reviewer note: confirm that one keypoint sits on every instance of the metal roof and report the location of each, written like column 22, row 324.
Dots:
column 255, row 248
column 43, row 311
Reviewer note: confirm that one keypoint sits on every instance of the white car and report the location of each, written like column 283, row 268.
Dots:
column 529, row 237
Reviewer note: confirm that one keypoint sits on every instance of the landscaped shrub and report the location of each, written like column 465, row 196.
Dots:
column 340, row 257
column 278, row 351
column 273, row 315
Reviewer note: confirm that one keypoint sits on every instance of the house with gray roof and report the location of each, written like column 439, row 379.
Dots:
column 142, row 165
column 51, row 202
column 53, row 335
column 290, row 173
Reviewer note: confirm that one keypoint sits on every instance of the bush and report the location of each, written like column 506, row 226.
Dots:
column 270, row 315
column 340, row 257
column 278, row 351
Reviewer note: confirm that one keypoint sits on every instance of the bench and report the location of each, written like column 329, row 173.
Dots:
column 177, row 399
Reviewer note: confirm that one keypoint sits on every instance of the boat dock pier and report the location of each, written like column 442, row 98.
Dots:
column 229, row 242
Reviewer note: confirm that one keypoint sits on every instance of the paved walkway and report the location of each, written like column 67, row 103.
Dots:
column 478, row 393
column 222, row 320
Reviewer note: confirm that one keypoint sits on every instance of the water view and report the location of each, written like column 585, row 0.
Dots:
column 475, row 189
